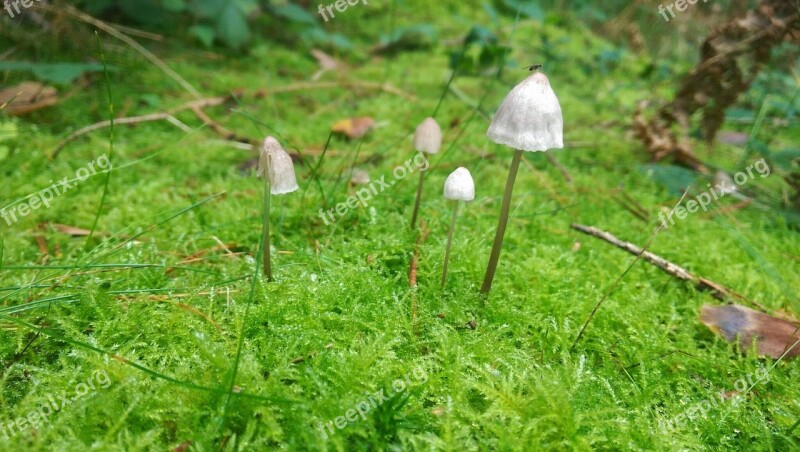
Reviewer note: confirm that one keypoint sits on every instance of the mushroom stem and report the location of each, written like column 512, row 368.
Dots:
column 501, row 226
column 416, row 203
column 266, row 251
column 449, row 242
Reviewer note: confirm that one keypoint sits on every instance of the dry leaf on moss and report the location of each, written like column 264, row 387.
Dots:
column 27, row 97
column 354, row 127
column 775, row 337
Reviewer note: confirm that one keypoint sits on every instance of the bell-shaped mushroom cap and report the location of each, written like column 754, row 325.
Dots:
column 428, row 137
column 529, row 119
column 277, row 163
column 724, row 182
column 459, row 185
column 359, row 177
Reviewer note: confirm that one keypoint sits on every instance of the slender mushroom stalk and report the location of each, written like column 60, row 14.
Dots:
column 428, row 139
column 276, row 168
column 458, row 187
column 529, row 119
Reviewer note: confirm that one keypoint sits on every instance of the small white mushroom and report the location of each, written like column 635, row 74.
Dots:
column 277, row 163
column 529, row 119
column 724, row 183
column 276, row 168
column 359, row 177
column 459, row 186
column 428, row 137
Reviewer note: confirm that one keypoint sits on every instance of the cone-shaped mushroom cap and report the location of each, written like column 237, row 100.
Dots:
column 459, row 185
column 277, row 163
column 530, row 117
column 724, row 182
column 359, row 177
column 428, row 137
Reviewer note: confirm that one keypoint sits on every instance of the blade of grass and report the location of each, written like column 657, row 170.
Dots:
column 110, row 142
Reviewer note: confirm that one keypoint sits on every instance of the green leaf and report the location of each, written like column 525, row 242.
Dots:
column 208, row 8
column 232, row 26
column 675, row 178
column 295, row 13
column 175, row 5
column 58, row 73
column 204, row 34
column 785, row 159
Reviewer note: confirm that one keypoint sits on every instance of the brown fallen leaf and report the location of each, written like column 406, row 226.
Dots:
column 354, row 127
column 775, row 337
column 27, row 97
column 70, row 230
column 324, row 60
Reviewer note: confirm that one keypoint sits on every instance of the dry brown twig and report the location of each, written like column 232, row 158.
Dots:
column 716, row 290
column 197, row 106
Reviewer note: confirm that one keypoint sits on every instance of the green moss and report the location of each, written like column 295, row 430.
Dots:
column 337, row 324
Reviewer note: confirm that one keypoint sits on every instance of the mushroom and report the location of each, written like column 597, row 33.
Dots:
column 428, row 139
column 529, row 119
column 275, row 166
column 458, row 187
column 359, row 177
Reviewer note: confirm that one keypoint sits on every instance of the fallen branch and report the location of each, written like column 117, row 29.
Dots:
column 716, row 290
column 107, row 123
column 197, row 106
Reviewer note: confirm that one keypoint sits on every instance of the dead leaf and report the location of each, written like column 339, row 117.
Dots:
column 326, row 63
column 27, row 97
column 774, row 336
column 71, row 230
column 734, row 138
column 354, row 127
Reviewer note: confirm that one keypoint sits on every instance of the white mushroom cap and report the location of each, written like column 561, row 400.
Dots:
column 459, row 185
column 277, row 163
column 428, row 137
column 359, row 177
column 724, row 182
column 529, row 119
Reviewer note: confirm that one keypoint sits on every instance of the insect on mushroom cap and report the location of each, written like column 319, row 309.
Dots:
column 529, row 118
column 428, row 137
column 277, row 164
column 459, row 185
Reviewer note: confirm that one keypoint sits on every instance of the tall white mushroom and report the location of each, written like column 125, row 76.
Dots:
column 428, row 139
column 458, row 187
column 275, row 166
column 529, row 119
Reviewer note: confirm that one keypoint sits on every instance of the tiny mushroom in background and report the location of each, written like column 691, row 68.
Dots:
column 275, row 166
column 529, row 119
column 428, row 139
column 458, row 187
column 359, row 177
